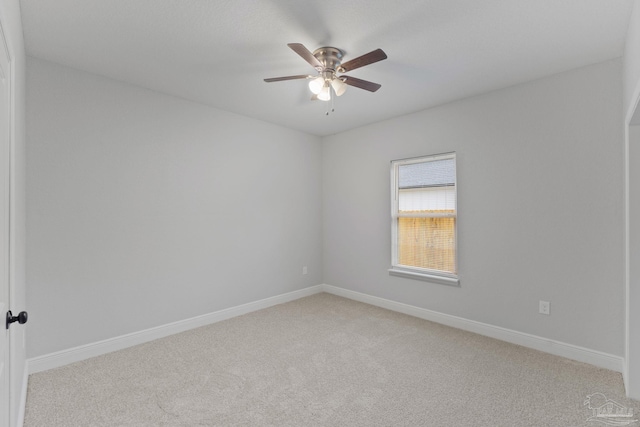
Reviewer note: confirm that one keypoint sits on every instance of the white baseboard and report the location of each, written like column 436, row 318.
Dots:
column 76, row 354
column 570, row 351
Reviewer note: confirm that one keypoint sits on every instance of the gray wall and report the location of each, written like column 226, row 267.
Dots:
column 631, row 64
column 144, row 209
column 540, row 199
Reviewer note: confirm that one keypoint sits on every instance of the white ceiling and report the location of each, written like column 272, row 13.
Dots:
column 217, row 52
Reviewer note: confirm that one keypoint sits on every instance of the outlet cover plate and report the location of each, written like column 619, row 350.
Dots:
column 544, row 307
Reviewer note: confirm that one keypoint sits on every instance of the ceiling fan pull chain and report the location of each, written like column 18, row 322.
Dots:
column 332, row 98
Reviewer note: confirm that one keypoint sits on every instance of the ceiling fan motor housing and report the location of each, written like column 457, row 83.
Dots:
column 329, row 57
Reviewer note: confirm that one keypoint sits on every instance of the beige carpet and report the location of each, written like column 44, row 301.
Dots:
column 322, row 361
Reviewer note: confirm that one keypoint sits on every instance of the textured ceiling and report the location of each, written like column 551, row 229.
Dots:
column 218, row 51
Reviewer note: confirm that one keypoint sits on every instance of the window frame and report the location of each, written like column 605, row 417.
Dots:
column 419, row 273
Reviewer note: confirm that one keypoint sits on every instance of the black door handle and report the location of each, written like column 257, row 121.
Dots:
column 21, row 318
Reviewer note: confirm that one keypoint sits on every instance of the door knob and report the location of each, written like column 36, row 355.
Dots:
column 21, row 318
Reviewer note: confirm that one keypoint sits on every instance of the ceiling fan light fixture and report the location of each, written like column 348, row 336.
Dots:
column 325, row 93
column 316, row 85
column 339, row 87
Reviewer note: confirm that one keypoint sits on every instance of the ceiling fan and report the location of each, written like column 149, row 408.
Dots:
column 328, row 62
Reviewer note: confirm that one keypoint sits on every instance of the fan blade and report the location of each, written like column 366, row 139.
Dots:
column 279, row 79
column 361, row 61
column 362, row 84
column 306, row 55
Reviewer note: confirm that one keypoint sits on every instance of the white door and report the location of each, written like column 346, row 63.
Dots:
column 5, row 130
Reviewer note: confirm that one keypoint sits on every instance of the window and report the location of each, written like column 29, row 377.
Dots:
column 423, row 218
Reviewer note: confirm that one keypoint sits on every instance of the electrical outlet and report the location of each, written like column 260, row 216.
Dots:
column 304, row 270
column 544, row 307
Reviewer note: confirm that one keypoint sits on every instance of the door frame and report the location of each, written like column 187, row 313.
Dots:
column 631, row 370
column 9, row 366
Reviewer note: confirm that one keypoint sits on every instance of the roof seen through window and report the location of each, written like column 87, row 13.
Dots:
column 427, row 174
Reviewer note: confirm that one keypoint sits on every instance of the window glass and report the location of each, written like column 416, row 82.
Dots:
column 424, row 215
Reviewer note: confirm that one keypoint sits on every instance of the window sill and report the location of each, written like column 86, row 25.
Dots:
column 442, row 280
